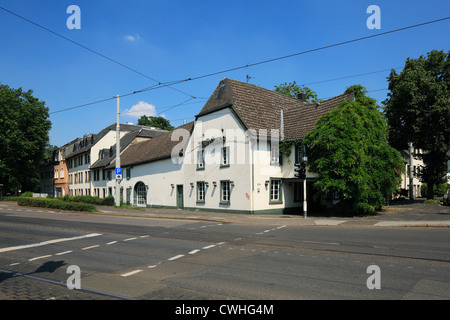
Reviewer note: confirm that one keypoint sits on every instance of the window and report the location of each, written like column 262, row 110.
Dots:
column 140, row 195
column 61, row 175
column 274, row 153
column 201, row 191
column 225, row 157
column 275, row 191
column 128, row 173
column 201, row 159
column 225, row 192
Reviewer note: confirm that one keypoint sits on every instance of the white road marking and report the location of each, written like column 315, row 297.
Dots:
column 14, row 264
column 154, row 266
column 112, row 242
column 176, row 257
column 26, row 246
column 209, row 247
column 91, row 247
column 41, row 257
column 61, row 253
column 146, row 236
column 129, row 239
column 130, row 273
column 194, row 251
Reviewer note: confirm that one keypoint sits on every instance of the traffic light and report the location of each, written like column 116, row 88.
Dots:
column 300, row 170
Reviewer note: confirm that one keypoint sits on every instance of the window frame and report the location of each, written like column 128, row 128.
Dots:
column 201, row 191
column 280, row 191
column 225, row 157
column 226, row 183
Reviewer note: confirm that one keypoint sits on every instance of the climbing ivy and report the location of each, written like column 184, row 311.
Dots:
column 285, row 147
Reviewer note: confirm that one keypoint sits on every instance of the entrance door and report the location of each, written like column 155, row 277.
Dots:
column 180, row 204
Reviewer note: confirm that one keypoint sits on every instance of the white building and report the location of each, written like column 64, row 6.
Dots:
column 89, row 156
column 228, row 159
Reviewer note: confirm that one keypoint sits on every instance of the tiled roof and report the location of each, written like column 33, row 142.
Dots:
column 298, row 121
column 260, row 108
column 157, row 148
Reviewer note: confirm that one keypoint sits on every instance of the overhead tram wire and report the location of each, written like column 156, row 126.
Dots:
column 91, row 50
column 313, row 50
column 161, row 85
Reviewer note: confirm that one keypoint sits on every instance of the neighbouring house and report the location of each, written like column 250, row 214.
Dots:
column 228, row 159
column 101, row 173
column 46, row 181
column 83, row 179
column 416, row 166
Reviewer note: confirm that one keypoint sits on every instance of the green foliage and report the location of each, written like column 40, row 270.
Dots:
column 293, row 90
column 286, row 147
column 54, row 204
column 418, row 111
column 24, row 128
column 108, row 201
column 432, row 201
column 438, row 190
column 350, row 152
column 157, row 122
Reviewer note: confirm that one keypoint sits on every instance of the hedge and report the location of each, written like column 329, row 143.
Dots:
column 55, row 204
column 108, row 201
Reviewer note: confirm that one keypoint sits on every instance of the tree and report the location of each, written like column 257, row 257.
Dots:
column 24, row 128
column 293, row 90
column 349, row 150
column 157, row 122
column 418, row 111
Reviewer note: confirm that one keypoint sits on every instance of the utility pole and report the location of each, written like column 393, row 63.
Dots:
column 410, row 173
column 118, row 169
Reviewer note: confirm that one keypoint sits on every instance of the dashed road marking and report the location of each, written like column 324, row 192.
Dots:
column 91, row 247
column 131, row 273
column 41, row 257
column 61, row 253
column 176, row 257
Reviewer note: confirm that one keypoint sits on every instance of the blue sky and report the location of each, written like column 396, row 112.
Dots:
column 171, row 40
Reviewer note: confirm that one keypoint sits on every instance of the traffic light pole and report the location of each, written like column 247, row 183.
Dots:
column 305, row 203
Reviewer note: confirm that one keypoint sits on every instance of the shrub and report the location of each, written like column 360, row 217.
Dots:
column 55, row 204
column 108, row 201
column 27, row 194
column 10, row 198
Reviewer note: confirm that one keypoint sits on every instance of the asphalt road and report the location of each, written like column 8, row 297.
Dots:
column 125, row 257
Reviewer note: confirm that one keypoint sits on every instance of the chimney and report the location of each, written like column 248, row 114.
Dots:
column 301, row 96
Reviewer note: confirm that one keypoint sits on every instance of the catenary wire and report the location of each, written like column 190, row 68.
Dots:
column 166, row 84
column 91, row 50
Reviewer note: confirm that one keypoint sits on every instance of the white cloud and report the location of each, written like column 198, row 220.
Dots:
column 140, row 109
column 132, row 38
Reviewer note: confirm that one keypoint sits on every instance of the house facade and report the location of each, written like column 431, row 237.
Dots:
column 88, row 157
column 228, row 159
column 415, row 164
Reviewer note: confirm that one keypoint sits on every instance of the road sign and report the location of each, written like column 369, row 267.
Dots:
column 119, row 171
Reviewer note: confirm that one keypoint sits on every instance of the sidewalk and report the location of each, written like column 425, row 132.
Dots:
column 400, row 214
